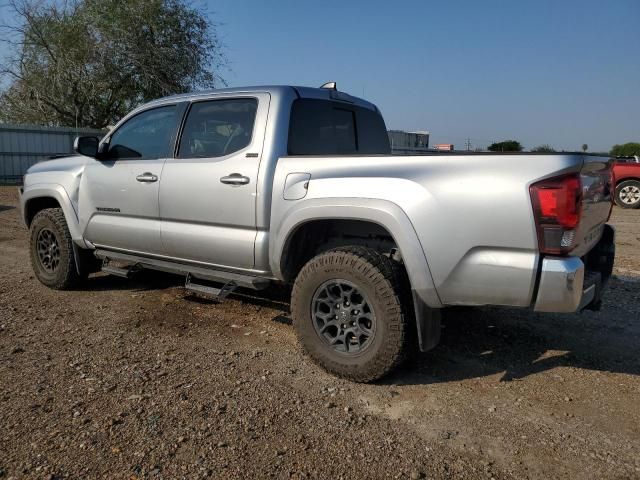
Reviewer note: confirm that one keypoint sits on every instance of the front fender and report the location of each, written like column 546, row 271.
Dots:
column 382, row 212
column 57, row 192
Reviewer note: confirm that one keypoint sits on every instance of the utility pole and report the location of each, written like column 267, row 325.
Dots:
column 468, row 144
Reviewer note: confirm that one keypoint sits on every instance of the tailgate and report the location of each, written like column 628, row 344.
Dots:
column 596, row 202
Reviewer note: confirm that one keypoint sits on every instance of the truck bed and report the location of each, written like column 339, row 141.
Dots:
column 471, row 211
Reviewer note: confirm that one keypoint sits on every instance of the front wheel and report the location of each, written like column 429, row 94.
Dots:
column 351, row 312
column 628, row 194
column 51, row 250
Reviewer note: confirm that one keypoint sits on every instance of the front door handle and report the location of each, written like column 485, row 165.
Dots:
column 235, row 179
column 147, row 177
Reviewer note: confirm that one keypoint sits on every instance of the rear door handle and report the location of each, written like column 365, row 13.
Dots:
column 147, row 177
column 235, row 179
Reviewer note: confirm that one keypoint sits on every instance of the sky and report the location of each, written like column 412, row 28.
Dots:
column 558, row 72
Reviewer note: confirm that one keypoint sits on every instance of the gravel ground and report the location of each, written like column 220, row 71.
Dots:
column 138, row 379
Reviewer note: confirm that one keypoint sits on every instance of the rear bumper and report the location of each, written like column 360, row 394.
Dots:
column 568, row 284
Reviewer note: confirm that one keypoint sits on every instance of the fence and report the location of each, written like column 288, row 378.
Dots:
column 23, row 145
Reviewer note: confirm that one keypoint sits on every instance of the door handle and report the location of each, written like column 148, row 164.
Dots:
column 147, row 177
column 235, row 179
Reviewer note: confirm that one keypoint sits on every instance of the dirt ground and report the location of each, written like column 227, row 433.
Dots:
column 130, row 379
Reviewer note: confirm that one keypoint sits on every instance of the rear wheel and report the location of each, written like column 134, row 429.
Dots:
column 351, row 314
column 51, row 250
column 628, row 194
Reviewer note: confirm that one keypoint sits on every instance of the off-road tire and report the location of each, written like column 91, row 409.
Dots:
column 65, row 275
column 386, row 285
column 633, row 184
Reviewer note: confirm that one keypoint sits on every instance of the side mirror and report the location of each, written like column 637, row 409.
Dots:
column 86, row 146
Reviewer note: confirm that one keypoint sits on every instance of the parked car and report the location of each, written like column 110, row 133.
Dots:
column 295, row 185
column 626, row 174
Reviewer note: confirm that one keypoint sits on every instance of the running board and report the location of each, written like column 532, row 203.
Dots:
column 240, row 280
column 125, row 272
column 217, row 294
column 118, row 272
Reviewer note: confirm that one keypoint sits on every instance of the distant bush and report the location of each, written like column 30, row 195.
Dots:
column 625, row 150
column 505, row 146
column 546, row 148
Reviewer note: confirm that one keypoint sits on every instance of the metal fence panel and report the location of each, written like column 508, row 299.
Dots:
column 24, row 145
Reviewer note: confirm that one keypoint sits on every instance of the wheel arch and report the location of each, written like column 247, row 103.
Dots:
column 619, row 181
column 314, row 236
column 376, row 216
column 35, row 205
column 37, row 197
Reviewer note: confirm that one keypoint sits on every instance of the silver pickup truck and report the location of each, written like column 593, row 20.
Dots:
column 245, row 187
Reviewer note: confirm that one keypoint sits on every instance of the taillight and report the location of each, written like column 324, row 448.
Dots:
column 556, row 206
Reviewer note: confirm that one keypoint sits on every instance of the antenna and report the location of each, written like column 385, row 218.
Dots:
column 330, row 86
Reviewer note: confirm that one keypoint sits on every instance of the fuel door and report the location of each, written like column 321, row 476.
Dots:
column 296, row 186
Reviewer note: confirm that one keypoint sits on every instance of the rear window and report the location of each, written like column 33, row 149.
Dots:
column 322, row 127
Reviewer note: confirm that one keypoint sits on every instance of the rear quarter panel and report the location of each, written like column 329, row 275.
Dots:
column 472, row 213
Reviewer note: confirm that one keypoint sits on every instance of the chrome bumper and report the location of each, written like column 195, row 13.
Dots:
column 560, row 288
column 568, row 284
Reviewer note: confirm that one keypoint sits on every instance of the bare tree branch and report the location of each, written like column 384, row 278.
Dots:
column 91, row 60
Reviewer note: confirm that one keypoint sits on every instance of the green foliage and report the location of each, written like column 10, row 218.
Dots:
column 546, row 148
column 625, row 150
column 585, row 147
column 505, row 146
column 88, row 62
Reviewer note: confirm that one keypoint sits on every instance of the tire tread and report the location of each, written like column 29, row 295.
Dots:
column 67, row 277
column 390, row 281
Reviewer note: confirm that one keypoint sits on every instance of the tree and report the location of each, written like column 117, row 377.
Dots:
column 625, row 150
column 505, row 146
column 546, row 148
column 88, row 62
column 585, row 147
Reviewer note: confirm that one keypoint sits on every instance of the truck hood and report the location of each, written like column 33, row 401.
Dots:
column 73, row 164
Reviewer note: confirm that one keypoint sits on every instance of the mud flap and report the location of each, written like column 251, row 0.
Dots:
column 86, row 262
column 427, row 323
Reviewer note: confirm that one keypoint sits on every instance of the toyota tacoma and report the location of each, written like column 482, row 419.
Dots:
column 246, row 187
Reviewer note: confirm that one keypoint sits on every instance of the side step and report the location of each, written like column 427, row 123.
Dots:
column 135, row 263
column 217, row 294
column 125, row 271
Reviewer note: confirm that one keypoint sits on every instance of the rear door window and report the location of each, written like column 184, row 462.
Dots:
column 218, row 127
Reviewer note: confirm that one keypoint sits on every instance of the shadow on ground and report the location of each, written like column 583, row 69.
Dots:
column 143, row 281
column 517, row 343
column 475, row 342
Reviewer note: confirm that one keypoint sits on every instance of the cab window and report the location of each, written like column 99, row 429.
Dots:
column 147, row 135
column 218, row 127
column 322, row 127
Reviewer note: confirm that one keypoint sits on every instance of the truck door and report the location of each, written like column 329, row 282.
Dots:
column 118, row 199
column 208, row 192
